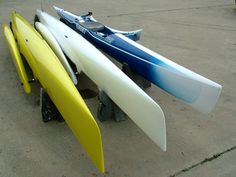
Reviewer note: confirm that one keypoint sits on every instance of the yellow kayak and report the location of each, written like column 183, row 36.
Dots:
column 16, row 58
column 48, row 70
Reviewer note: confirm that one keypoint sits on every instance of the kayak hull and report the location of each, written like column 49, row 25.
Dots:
column 54, row 79
column 16, row 58
column 145, row 112
column 56, row 48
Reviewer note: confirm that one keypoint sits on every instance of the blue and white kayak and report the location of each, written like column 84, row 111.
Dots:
column 190, row 87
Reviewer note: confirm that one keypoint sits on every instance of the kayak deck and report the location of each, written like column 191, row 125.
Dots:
column 52, row 76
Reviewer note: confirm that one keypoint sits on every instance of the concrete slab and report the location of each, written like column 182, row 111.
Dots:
column 200, row 35
column 222, row 166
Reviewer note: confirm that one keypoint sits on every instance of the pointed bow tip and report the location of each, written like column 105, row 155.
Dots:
column 163, row 146
column 57, row 8
column 101, row 167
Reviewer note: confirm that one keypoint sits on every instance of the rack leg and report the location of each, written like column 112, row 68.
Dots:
column 137, row 78
column 48, row 109
column 108, row 109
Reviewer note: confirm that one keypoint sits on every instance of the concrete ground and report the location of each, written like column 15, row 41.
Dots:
column 200, row 35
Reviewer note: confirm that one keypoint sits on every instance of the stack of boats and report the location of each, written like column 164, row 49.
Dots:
column 54, row 45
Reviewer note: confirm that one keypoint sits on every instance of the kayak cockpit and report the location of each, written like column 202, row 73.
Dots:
column 96, row 27
column 93, row 26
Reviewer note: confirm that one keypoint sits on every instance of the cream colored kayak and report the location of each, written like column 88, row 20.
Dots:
column 142, row 109
column 56, row 48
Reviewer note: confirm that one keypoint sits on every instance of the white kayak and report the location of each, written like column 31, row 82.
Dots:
column 186, row 85
column 56, row 48
column 142, row 109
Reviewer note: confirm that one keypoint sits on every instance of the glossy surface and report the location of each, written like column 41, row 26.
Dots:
column 16, row 57
column 56, row 49
column 141, row 108
column 54, row 79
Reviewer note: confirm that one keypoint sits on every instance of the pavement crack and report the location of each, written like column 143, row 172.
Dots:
column 167, row 10
column 206, row 160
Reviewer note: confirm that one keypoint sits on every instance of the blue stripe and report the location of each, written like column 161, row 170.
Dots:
column 143, row 63
column 144, row 68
